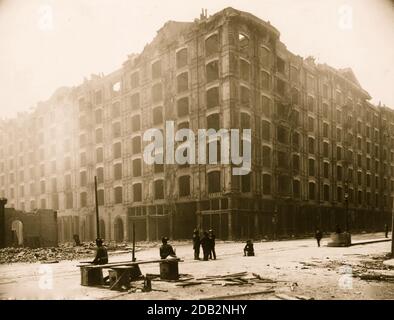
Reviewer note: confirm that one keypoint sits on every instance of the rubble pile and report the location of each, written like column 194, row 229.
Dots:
column 54, row 254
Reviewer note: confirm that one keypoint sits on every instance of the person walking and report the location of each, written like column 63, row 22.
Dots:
column 318, row 236
column 206, row 245
column 196, row 244
column 212, row 239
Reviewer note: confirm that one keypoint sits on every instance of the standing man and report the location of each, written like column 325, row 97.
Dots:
column 101, row 253
column 386, row 230
column 166, row 249
column 318, row 236
column 212, row 239
column 196, row 244
column 206, row 246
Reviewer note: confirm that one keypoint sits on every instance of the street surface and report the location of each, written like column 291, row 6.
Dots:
column 298, row 267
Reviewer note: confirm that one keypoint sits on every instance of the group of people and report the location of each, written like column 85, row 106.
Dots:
column 207, row 243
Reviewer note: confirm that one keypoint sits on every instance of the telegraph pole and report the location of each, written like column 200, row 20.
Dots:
column 3, row 202
column 392, row 233
column 97, row 209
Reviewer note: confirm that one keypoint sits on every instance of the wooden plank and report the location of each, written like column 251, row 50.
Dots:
column 129, row 263
column 239, row 295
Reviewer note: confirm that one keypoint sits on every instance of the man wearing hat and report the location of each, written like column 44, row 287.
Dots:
column 166, row 249
column 101, row 253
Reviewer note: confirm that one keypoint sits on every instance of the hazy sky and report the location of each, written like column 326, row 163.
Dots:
column 45, row 44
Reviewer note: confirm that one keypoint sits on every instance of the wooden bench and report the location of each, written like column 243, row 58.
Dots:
column 121, row 272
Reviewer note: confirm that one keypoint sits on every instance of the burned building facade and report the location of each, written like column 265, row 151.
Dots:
column 322, row 154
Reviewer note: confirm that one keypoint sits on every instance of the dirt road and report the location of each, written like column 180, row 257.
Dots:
column 298, row 267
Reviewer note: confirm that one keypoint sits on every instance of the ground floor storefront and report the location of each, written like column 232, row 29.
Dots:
column 229, row 217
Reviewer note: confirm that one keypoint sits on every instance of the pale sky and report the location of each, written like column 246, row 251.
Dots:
column 46, row 44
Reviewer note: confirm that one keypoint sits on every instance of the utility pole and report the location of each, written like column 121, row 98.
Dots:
column 97, row 209
column 134, row 241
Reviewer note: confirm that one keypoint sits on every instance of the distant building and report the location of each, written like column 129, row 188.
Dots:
column 317, row 141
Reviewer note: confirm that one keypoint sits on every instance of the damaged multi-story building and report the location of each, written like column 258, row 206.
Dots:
column 322, row 154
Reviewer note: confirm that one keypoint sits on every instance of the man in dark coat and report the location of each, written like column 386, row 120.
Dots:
column 196, row 244
column 386, row 230
column 249, row 250
column 206, row 246
column 101, row 253
column 318, row 236
column 166, row 249
column 212, row 239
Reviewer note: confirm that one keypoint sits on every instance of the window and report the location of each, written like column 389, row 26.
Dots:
column 245, row 183
column 282, row 159
column 213, row 121
column 98, row 116
column 214, row 182
column 326, row 192
column 295, row 96
column 296, row 140
column 183, row 107
column 294, row 74
column 266, row 184
column 182, row 82
column 213, row 97
column 135, row 123
column 83, row 180
column 243, row 41
column 325, row 149
column 311, row 167
column 100, row 197
column 42, row 187
column 157, row 116
column 212, row 70
column 325, row 129
column 296, row 188
column 212, row 45
column 311, row 145
column 339, row 173
column 282, row 134
column 296, row 162
column 266, row 130
column 69, row 200
column 265, row 57
column 115, row 110
column 266, row 106
column 245, row 96
column 311, row 124
column 245, row 120
column 280, row 65
column 83, row 199
column 159, row 189
column 134, row 80
column 266, row 156
column 181, row 58
column 137, row 192
column 100, row 175
column 311, row 104
column 98, row 97
column 137, row 168
column 117, row 150
column 184, row 186
column 245, row 70
column 99, row 155
column 339, row 153
column 118, row 171
column 265, row 80
column 284, row 184
column 325, row 110
column 157, row 93
column 156, row 70
column 312, row 192
column 135, row 101
column 136, row 145
column 99, row 135
column 118, row 192
column 116, row 130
